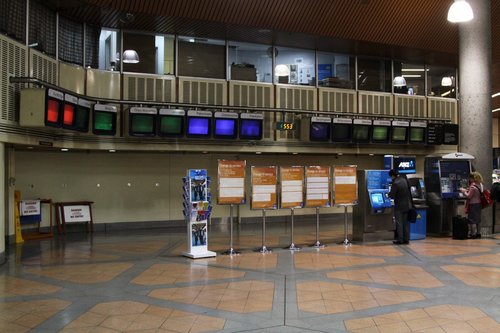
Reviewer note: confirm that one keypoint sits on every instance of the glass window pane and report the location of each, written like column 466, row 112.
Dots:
column 201, row 57
column 250, row 62
column 414, row 75
column 336, row 70
column 109, row 50
column 374, row 74
column 295, row 66
column 441, row 82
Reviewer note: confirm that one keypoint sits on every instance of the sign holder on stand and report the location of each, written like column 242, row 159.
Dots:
column 292, row 194
column 263, row 248
column 318, row 193
column 346, row 240
column 346, row 191
column 231, row 250
column 318, row 244
column 292, row 246
column 264, row 181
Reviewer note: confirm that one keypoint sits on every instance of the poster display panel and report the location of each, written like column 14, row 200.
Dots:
column 263, row 180
column 231, row 182
column 318, row 186
column 292, row 187
column 345, row 185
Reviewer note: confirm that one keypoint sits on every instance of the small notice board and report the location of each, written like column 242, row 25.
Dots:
column 318, row 186
column 74, row 212
column 231, row 182
column 345, row 185
column 292, row 186
column 264, row 181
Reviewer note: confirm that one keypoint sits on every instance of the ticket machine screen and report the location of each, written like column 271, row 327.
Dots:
column 379, row 199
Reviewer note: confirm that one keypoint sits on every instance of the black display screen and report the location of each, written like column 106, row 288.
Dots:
column 341, row 132
column 319, row 131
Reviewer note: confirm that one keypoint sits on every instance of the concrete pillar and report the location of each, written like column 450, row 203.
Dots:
column 3, row 202
column 475, row 94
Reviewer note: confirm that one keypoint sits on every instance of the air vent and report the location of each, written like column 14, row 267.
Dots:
column 202, row 91
column 154, row 88
column 43, row 67
column 375, row 103
column 442, row 108
column 13, row 62
column 410, row 106
column 299, row 98
column 251, row 94
column 337, row 100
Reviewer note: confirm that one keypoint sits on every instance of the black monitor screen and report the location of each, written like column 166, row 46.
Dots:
column 104, row 123
column 198, row 126
column 341, row 132
column 361, row 133
column 380, row 133
column 81, row 119
column 319, row 131
column 251, row 129
column 142, row 124
column 417, row 134
column 450, row 134
column 225, row 128
column 399, row 134
column 171, row 125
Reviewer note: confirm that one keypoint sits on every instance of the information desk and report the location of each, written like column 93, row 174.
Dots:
column 74, row 212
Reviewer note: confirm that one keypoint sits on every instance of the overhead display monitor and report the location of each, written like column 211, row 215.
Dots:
column 380, row 131
column 104, row 119
column 450, row 134
column 434, row 135
column 251, row 126
column 171, row 122
column 341, row 129
column 417, row 132
column 319, row 129
column 77, row 118
column 142, row 121
column 69, row 111
column 453, row 174
column 361, row 130
column 54, row 108
column 199, row 124
column 399, row 131
column 225, row 125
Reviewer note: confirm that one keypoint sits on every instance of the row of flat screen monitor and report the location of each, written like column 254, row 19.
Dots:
column 76, row 117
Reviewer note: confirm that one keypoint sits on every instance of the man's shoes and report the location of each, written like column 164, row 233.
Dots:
column 397, row 242
column 406, row 242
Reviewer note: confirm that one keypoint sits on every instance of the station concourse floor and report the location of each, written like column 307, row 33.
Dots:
column 138, row 281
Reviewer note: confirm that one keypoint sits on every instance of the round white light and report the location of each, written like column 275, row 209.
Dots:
column 460, row 11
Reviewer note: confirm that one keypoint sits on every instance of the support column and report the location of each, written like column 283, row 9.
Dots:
column 475, row 79
column 3, row 202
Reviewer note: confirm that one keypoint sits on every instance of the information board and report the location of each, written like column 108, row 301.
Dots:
column 263, row 180
column 30, row 207
column 231, row 182
column 345, row 185
column 318, row 186
column 453, row 174
column 292, row 187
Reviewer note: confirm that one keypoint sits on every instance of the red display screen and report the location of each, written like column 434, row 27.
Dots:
column 68, row 114
column 52, row 111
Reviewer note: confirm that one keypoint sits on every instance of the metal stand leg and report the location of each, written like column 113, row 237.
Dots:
column 264, row 249
column 292, row 246
column 346, row 241
column 231, row 251
column 317, row 244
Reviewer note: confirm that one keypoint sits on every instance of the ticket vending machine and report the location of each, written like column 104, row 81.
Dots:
column 372, row 217
column 418, row 230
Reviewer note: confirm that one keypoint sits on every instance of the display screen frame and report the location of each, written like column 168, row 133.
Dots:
column 325, row 131
column 190, row 126
column 343, row 128
column 376, row 128
column 99, row 111
column 363, row 129
column 422, row 136
column 219, row 128
column 166, row 117
column 53, row 112
column 396, row 136
column 248, row 123
column 134, row 126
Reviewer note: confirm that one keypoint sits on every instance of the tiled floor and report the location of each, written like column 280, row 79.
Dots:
column 139, row 282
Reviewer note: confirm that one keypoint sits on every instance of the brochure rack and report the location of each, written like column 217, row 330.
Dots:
column 197, row 209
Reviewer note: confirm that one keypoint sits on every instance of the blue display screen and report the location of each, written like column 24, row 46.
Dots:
column 225, row 128
column 198, row 126
column 377, row 179
column 379, row 199
column 251, row 129
column 320, row 132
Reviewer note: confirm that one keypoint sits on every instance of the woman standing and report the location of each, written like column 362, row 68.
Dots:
column 473, row 203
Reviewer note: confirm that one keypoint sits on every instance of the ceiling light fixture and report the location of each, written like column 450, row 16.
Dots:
column 399, row 81
column 446, row 81
column 460, row 11
column 495, row 95
column 282, row 70
column 495, row 110
column 412, row 75
column 130, row 57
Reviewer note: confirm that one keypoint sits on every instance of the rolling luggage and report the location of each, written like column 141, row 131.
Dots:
column 460, row 227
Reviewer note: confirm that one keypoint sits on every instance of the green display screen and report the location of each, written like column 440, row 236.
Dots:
column 399, row 133
column 104, row 121
column 380, row 133
column 142, row 124
column 417, row 134
column 361, row 133
column 171, row 125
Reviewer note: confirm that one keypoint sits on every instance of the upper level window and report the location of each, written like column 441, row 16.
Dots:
column 201, row 57
column 250, row 62
column 414, row 77
column 336, row 70
column 441, row 82
column 109, row 50
column 294, row 66
column 156, row 53
column 374, row 74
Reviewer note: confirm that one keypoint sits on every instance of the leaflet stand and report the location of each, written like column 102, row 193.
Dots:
column 346, row 240
column 264, row 248
column 292, row 246
column 318, row 244
column 231, row 250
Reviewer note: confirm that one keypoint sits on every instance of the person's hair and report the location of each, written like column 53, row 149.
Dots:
column 393, row 172
column 476, row 176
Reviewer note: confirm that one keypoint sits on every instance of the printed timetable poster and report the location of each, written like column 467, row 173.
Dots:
column 231, row 182
column 292, row 187
column 345, row 185
column 263, row 180
column 318, row 186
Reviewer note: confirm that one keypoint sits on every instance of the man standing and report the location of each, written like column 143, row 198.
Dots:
column 400, row 192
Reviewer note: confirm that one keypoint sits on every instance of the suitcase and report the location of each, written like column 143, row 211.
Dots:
column 460, row 227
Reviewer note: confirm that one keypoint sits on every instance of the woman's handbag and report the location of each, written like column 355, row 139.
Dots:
column 486, row 199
